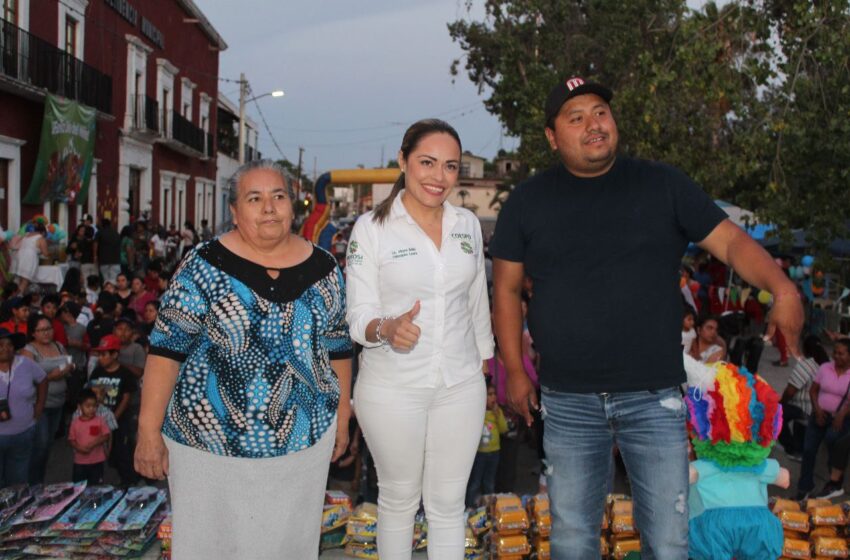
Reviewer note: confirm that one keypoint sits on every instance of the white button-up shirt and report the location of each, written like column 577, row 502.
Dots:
column 390, row 266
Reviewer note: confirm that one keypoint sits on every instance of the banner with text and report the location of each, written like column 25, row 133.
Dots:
column 65, row 155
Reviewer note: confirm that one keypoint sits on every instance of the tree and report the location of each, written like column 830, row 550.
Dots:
column 733, row 95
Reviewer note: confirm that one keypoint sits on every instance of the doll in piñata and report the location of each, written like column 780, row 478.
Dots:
column 733, row 420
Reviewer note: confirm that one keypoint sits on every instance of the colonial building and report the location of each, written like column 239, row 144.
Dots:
column 150, row 69
column 228, row 152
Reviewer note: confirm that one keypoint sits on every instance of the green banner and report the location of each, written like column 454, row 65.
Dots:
column 65, row 155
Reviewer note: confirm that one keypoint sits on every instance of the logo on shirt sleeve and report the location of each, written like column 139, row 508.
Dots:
column 354, row 257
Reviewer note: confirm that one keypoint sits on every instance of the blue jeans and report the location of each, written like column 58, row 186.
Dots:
column 815, row 435
column 15, row 453
column 579, row 435
column 482, row 480
column 45, row 432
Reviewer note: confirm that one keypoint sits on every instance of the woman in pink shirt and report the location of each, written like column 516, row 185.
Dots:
column 829, row 420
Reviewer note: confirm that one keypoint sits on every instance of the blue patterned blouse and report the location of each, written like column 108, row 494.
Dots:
column 255, row 377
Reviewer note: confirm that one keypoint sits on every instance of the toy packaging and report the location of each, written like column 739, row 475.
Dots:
column 134, row 510
column 88, row 511
column 48, row 502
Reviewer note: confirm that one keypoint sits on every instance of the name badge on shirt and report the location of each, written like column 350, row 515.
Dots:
column 404, row 253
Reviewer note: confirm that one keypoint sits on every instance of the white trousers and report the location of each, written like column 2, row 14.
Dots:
column 423, row 441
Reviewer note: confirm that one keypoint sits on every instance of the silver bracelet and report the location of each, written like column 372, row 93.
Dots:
column 382, row 339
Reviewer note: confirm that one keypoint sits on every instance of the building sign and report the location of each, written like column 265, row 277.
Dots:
column 150, row 31
column 125, row 10
column 65, row 155
column 129, row 12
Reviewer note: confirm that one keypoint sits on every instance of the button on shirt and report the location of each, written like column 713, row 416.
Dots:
column 390, row 266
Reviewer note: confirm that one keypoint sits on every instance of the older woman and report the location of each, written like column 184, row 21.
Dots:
column 23, row 387
column 247, row 386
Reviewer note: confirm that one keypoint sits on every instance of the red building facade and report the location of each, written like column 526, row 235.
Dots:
column 150, row 68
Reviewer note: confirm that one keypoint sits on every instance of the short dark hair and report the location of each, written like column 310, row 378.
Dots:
column 93, row 281
column 86, row 394
column 845, row 342
column 51, row 298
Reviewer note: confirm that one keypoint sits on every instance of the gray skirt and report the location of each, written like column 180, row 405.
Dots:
column 230, row 507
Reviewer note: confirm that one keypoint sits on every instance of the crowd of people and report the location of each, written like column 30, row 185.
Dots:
column 82, row 350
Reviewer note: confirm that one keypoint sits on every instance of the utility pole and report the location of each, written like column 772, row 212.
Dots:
column 243, row 95
column 300, row 155
column 315, row 164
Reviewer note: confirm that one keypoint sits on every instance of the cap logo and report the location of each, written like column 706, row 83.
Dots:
column 573, row 83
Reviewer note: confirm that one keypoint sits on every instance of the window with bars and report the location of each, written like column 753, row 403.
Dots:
column 10, row 11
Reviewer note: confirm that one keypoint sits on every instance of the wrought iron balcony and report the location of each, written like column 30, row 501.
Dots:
column 186, row 133
column 145, row 114
column 34, row 62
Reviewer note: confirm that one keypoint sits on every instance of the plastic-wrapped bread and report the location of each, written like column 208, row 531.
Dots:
column 827, row 515
column 795, row 548
column 795, row 521
column 830, row 547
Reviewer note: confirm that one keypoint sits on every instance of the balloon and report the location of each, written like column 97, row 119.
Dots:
column 779, row 262
column 694, row 287
column 807, row 270
column 807, row 261
column 764, row 297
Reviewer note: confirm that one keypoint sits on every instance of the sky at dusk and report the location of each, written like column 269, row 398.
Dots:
column 356, row 74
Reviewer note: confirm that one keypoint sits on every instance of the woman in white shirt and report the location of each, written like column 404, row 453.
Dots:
column 417, row 302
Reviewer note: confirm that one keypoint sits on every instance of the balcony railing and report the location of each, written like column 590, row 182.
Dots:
column 145, row 113
column 34, row 61
column 187, row 133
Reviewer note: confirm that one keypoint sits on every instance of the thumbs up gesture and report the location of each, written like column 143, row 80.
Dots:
column 402, row 332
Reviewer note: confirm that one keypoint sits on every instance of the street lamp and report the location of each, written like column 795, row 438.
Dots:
column 243, row 94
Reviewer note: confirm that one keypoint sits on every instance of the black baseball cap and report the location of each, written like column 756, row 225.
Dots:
column 569, row 88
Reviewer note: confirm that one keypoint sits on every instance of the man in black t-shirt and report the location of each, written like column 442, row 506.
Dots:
column 573, row 229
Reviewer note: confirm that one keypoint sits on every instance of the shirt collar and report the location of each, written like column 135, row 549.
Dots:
column 398, row 210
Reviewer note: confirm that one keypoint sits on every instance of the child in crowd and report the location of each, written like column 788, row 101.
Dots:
column 483, row 476
column 18, row 313
column 102, row 410
column 689, row 333
column 90, row 437
column 50, row 309
column 117, row 383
